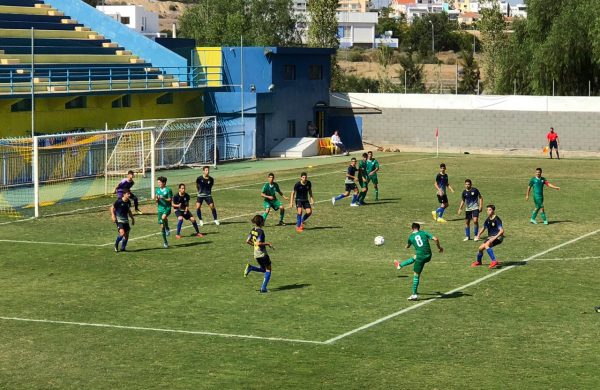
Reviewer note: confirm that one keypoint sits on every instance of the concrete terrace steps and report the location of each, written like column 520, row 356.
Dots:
column 83, row 86
column 68, row 34
column 68, row 59
column 12, row 9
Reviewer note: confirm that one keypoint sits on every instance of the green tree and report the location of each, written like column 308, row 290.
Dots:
column 385, row 55
column 493, row 41
column 411, row 74
column 420, row 34
column 470, row 73
column 272, row 23
column 397, row 26
column 322, row 31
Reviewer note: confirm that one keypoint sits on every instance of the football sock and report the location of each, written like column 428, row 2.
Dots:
column 491, row 253
column 256, row 269
column 557, row 155
column 119, row 238
column 534, row 214
column 135, row 201
column 362, row 196
column 439, row 212
column 479, row 256
column 376, row 193
column 166, row 224
column 265, row 215
column 543, row 215
column 298, row 220
column 199, row 214
column 164, row 235
column 266, row 280
column 281, row 215
column 195, row 224
column 475, row 229
column 124, row 244
column 442, row 209
column 407, row 262
column 214, row 213
column 340, row 196
column 415, row 285
column 179, row 225
column 354, row 198
column 468, row 232
column 306, row 216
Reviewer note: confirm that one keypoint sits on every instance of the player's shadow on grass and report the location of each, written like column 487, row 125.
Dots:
column 378, row 202
column 233, row 222
column 323, row 227
column 565, row 221
column 290, row 286
column 511, row 263
column 160, row 248
column 441, row 295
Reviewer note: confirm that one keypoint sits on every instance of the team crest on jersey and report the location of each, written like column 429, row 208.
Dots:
column 472, row 193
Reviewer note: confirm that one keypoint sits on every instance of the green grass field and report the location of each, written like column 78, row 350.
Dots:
column 74, row 314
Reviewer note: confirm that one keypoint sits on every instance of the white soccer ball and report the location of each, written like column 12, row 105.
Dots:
column 379, row 240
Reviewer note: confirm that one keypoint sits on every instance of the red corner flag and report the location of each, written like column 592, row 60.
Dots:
column 437, row 133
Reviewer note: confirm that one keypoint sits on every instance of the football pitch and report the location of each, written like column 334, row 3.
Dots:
column 74, row 314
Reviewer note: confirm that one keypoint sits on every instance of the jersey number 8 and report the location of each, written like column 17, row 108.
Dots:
column 419, row 241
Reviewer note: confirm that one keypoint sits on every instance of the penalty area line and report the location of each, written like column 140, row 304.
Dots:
column 52, row 243
column 473, row 283
column 163, row 330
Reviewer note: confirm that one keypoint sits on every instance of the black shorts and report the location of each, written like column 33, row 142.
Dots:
column 123, row 225
column 207, row 199
column 471, row 214
column 443, row 198
column 350, row 187
column 554, row 144
column 185, row 214
column 496, row 242
column 264, row 261
column 305, row 204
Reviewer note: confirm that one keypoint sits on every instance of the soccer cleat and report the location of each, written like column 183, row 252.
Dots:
column 441, row 220
column 533, row 221
column 362, row 203
column 397, row 264
column 434, row 215
column 299, row 229
column 466, row 238
column 123, row 250
column 476, row 238
column 264, row 290
column 280, row 223
column 475, row 264
column 494, row 264
column 138, row 212
column 198, row 234
column 354, row 205
column 165, row 245
column 177, row 236
column 246, row 270
column 217, row 222
column 116, row 247
column 545, row 222
column 200, row 222
column 333, row 200
column 413, row 297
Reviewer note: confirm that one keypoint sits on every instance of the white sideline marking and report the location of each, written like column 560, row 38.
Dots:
column 193, row 332
column 473, row 283
column 52, row 243
column 570, row 258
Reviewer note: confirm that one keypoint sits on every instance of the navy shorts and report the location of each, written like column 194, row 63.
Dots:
column 471, row 214
column 305, row 204
column 443, row 198
column 123, row 225
column 185, row 214
column 350, row 187
column 496, row 242
column 207, row 199
column 264, row 261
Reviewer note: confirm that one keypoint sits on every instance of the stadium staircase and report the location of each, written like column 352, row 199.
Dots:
column 68, row 56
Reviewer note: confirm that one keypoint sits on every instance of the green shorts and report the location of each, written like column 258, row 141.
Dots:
column 275, row 204
column 373, row 179
column 363, row 184
column 539, row 202
column 420, row 263
column 162, row 212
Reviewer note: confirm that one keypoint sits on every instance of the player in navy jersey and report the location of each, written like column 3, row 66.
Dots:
column 204, row 186
column 126, row 185
column 473, row 202
column 350, row 182
column 303, row 197
column 256, row 238
column 493, row 224
column 442, row 185
column 181, row 204
column 120, row 213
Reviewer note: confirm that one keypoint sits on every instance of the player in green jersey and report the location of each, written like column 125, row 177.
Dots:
column 269, row 194
column 363, row 179
column 163, row 195
column 372, row 169
column 537, row 183
column 420, row 240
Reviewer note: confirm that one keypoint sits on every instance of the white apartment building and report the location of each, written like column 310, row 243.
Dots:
column 135, row 17
column 357, row 28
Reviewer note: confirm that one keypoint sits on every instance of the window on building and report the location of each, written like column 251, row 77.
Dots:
column 315, row 72
column 291, row 129
column 78, row 102
column 125, row 20
column 289, row 72
column 21, row 105
column 144, row 23
column 167, row 98
column 123, row 101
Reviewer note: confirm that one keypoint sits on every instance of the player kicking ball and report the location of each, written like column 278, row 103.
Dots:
column 164, row 196
column 420, row 241
column 303, row 196
column 493, row 224
column 181, row 204
column 256, row 238
column 269, row 194
column 120, row 212
column 350, row 183
column 442, row 184
column 537, row 183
